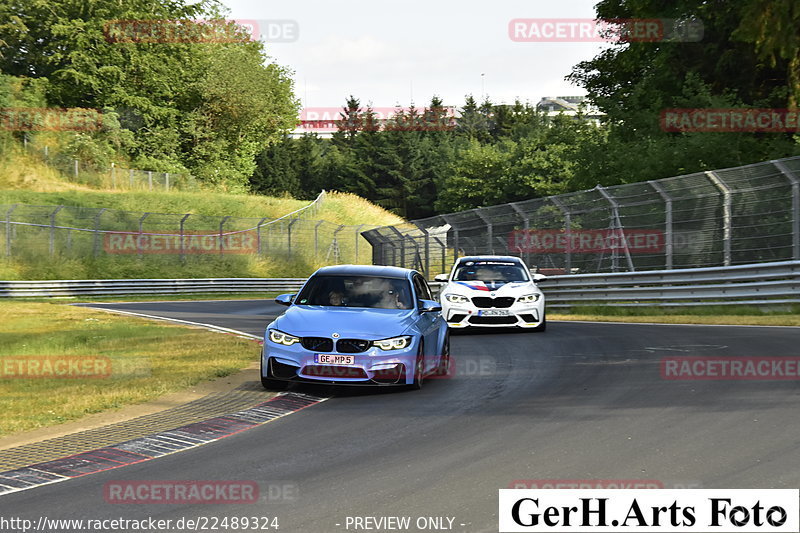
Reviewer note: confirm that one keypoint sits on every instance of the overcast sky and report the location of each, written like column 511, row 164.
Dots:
column 392, row 52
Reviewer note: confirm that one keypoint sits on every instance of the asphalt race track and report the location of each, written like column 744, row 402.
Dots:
column 579, row 402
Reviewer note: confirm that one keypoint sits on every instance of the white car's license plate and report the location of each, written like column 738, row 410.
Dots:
column 332, row 359
column 493, row 312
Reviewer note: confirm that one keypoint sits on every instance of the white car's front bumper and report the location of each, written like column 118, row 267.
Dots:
column 463, row 315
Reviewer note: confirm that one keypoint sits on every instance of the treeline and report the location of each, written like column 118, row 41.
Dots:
column 174, row 100
column 179, row 88
column 749, row 57
column 420, row 161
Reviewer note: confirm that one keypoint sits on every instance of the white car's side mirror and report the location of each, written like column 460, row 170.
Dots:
column 538, row 278
column 441, row 277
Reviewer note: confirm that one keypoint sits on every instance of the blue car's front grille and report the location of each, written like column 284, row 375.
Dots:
column 317, row 344
column 352, row 345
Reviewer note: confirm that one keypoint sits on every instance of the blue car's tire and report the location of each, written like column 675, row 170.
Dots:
column 418, row 365
column 269, row 383
column 444, row 362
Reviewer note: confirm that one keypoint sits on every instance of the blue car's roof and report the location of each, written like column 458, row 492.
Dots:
column 366, row 270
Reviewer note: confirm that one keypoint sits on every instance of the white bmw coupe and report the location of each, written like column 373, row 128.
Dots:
column 492, row 291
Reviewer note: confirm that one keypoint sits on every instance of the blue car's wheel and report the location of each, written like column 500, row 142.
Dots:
column 418, row 366
column 444, row 361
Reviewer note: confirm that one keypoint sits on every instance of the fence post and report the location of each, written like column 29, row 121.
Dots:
column 183, row 226
column 113, row 176
column 150, row 179
column 726, row 215
column 455, row 236
column 53, row 229
column 46, row 152
column 316, row 237
column 567, row 232
column 75, row 167
column 258, row 234
column 289, row 237
column 221, row 238
column 8, row 229
column 335, row 243
column 525, row 226
column 618, row 223
column 489, row 228
column 96, row 249
column 444, row 253
column 139, row 237
column 402, row 246
column 166, row 181
column 358, row 234
column 667, row 221
column 795, row 182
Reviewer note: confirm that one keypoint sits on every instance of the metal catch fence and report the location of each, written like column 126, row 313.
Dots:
column 42, row 233
column 742, row 215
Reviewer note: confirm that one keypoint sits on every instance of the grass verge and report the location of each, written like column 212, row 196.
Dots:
column 136, row 361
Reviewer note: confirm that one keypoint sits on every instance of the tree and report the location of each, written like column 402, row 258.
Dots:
column 209, row 106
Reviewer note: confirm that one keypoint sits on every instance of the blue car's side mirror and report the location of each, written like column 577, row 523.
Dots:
column 285, row 299
column 429, row 306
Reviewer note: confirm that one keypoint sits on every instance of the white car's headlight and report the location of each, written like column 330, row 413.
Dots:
column 529, row 298
column 456, row 298
column 279, row 337
column 395, row 343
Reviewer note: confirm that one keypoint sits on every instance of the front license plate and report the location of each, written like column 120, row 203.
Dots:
column 493, row 312
column 331, row 359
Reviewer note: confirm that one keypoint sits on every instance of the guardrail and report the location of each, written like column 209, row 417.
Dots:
column 129, row 287
column 758, row 284
column 754, row 284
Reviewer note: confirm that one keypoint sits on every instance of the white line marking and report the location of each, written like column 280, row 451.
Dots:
column 179, row 321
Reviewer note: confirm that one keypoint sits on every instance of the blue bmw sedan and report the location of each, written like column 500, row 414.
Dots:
column 357, row 325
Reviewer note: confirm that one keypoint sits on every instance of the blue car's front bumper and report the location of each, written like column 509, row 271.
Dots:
column 372, row 367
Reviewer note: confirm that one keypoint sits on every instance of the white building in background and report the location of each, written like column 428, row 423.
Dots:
column 322, row 120
column 570, row 106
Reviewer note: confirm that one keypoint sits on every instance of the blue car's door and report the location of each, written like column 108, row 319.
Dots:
column 429, row 324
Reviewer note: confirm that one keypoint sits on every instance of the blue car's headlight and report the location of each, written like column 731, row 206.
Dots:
column 529, row 298
column 395, row 343
column 279, row 337
column 456, row 298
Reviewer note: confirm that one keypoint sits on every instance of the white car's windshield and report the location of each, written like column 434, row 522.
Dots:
column 490, row 271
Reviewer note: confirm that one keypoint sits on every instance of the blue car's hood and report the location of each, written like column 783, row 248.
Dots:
column 322, row 321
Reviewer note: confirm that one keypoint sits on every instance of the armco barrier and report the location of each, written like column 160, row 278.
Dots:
column 126, row 287
column 756, row 284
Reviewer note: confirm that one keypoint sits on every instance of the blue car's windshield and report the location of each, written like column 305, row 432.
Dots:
column 356, row 291
column 490, row 271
